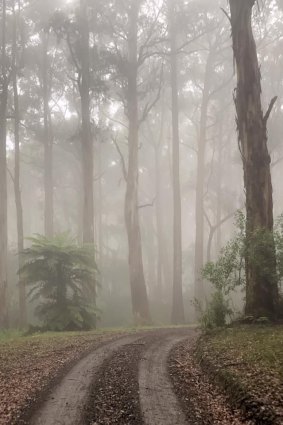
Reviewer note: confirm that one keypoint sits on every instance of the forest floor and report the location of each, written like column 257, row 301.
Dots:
column 157, row 376
column 133, row 380
column 30, row 366
column 247, row 363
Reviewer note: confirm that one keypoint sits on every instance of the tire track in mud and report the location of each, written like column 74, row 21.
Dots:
column 65, row 405
column 158, row 401
column 115, row 393
column 133, row 387
column 123, row 382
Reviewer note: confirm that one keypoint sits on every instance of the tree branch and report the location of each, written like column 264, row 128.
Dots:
column 269, row 110
column 123, row 163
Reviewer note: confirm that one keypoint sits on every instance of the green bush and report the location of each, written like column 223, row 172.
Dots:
column 63, row 280
column 216, row 312
column 228, row 271
column 261, row 250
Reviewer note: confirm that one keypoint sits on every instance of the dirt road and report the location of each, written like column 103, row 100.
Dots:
column 122, row 382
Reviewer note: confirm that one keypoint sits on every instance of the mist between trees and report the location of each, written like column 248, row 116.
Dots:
column 117, row 125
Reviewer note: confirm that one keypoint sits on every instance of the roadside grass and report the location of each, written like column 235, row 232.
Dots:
column 10, row 335
column 248, row 359
column 260, row 346
column 17, row 335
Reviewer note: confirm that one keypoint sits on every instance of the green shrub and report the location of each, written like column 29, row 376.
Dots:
column 228, row 271
column 260, row 249
column 216, row 313
column 62, row 276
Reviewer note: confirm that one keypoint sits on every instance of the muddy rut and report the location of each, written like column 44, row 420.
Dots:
column 124, row 381
column 146, row 378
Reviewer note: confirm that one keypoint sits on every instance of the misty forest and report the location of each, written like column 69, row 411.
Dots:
column 141, row 216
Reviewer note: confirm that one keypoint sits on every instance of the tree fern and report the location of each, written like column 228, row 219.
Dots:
column 63, row 281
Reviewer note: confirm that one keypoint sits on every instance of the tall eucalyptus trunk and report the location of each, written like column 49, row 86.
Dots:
column 261, row 285
column 199, row 211
column 17, row 172
column 87, row 141
column 178, row 315
column 48, row 141
column 4, row 83
column 140, row 305
column 86, row 135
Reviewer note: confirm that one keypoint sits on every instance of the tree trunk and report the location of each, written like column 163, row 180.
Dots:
column 86, row 135
column 199, row 241
column 17, row 187
column 159, row 224
column 164, row 272
column 99, row 209
column 261, row 289
column 178, row 315
column 140, row 304
column 48, row 142
column 3, row 175
column 87, row 142
column 219, row 195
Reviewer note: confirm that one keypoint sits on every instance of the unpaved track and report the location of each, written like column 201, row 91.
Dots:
column 65, row 405
column 133, row 387
column 159, row 404
column 122, row 382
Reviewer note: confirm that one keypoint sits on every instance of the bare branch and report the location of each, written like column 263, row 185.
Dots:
column 269, row 110
column 123, row 162
column 116, row 121
column 208, row 220
column 11, row 175
column 148, row 107
column 226, row 14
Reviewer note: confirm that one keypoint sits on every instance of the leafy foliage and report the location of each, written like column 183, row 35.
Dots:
column 228, row 272
column 216, row 312
column 62, row 276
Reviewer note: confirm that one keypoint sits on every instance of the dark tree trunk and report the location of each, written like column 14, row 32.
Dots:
column 87, row 142
column 17, row 187
column 3, row 174
column 48, row 142
column 140, row 304
column 261, row 290
column 178, row 315
column 199, row 241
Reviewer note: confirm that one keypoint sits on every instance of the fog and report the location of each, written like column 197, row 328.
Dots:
column 120, row 129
